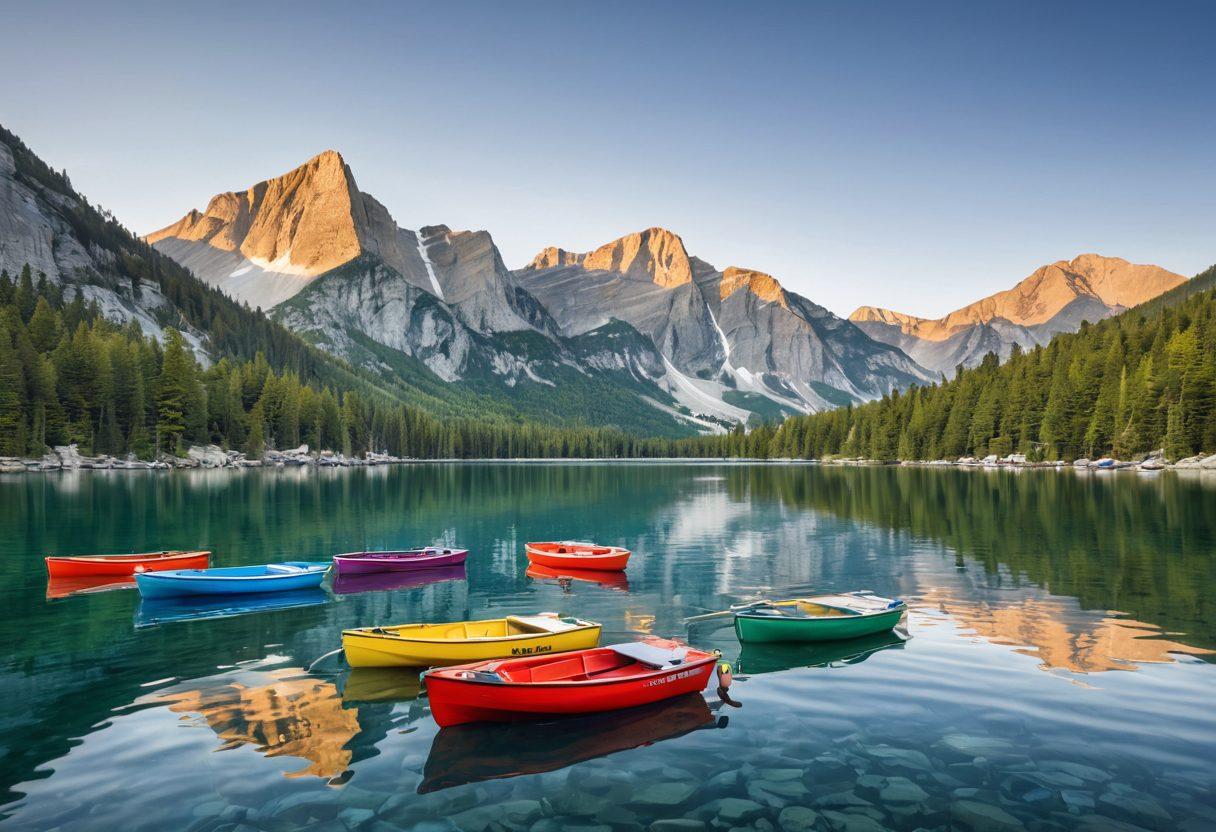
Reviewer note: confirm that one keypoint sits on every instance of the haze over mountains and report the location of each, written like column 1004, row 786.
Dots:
column 1055, row 298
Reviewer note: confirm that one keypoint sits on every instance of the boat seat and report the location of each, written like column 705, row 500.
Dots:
column 283, row 569
column 541, row 623
column 648, row 654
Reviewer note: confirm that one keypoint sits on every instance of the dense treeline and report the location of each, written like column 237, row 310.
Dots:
column 67, row 374
column 1141, row 381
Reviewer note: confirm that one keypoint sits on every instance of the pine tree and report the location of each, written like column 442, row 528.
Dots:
column 172, row 392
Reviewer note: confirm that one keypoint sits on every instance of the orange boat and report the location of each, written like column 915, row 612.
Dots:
column 570, row 555
column 77, row 566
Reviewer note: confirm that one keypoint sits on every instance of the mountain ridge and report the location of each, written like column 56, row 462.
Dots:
column 1054, row 298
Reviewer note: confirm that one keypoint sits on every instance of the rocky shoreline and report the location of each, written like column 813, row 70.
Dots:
column 1155, row 461
column 69, row 458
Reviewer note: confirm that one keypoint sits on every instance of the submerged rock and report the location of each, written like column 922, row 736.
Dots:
column 797, row 819
column 983, row 817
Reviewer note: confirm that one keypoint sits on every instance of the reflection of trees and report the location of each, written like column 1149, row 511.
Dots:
column 1142, row 546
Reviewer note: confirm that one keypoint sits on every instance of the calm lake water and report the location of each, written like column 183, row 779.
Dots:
column 1054, row 671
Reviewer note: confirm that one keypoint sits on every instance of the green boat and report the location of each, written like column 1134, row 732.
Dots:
column 819, row 618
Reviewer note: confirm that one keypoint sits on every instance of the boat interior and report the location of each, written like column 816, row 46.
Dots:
column 512, row 625
column 803, row 609
column 573, row 549
column 621, row 660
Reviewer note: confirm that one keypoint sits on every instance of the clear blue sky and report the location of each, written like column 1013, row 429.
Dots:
column 910, row 155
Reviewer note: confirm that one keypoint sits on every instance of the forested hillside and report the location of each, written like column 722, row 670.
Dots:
column 69, row 375
column 1141, row 381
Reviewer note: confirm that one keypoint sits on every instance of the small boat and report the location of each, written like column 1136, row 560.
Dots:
column 361, row 563
column 611, row 580
column 153, row 612
column 347, row 584
column 233, row 580
column 819, row 618
column 479, row 752
column 78, row 566
column 574, row 555
column 582, row 682
column 430, row 645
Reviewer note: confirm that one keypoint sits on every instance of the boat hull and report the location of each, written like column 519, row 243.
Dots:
column 455, row 701
column 367, row 649
column 367, row 563
column 225, row 582
column 613, row 558
column 762, row 629
column 80, row 566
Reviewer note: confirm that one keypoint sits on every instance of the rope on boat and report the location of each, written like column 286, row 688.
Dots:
column 320, row 659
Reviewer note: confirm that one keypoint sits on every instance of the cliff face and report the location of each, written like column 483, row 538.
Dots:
column 36, row 229
column 731, row 340
column 1055, row 298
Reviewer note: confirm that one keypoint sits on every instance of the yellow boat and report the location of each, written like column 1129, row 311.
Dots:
column 434, row 645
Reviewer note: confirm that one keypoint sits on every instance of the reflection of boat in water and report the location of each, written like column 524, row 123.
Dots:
column 154, row 611
column 382, row 684
column 64, row 587
column 770, row 658
column 475, row 752
column 347, row 584
column 612, row 580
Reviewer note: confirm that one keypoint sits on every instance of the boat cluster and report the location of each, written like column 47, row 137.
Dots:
column 512, row 668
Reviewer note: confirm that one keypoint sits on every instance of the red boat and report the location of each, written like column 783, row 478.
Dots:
column 571, row 555
column 579, row 682
column 77, row 566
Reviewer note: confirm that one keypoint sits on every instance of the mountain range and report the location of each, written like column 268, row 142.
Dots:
column 640, row 313
column 638, row 333
column 1055, row 298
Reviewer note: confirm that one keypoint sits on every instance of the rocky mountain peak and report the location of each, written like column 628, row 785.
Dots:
column 763, row 286
column 305, row 222
column 552, row 257
column 655, row 255
column 876, row 314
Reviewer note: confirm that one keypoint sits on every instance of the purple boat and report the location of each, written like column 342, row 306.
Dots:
column 363, row 563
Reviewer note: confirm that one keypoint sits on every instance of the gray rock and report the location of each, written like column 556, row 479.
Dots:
column 797, row 819
column 734, row 810
column 1077, row 802
column 1089, row 774
column 847, row 822
column 983, row 817
column 677, row 825
column 842, row 800
column 901, row 790
column 1137, row 807
column 663, row 795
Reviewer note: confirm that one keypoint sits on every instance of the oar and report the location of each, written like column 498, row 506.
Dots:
column 734, row 609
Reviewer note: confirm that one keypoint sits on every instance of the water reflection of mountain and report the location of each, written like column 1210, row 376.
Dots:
column 280, row 712
column 1059, row 633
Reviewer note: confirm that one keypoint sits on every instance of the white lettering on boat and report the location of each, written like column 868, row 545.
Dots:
column 683, row 674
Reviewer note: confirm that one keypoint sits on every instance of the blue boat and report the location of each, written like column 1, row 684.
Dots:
column 235, row 580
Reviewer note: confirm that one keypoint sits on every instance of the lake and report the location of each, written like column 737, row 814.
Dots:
column 1054, row 671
